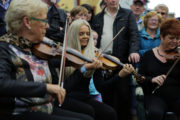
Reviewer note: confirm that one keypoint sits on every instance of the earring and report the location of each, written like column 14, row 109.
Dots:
column 29, row 28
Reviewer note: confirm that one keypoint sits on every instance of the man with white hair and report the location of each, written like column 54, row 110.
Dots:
column 163, row 10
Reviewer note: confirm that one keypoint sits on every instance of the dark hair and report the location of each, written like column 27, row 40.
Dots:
column 102, row 3
column 170, row 27
column 90, row 9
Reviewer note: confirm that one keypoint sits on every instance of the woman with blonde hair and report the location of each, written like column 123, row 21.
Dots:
column 77, row 84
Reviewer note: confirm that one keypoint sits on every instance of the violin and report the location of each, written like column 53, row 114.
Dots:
column 73, row 57
column 48, row 49
column 173, row 54
column 107, row 60
column 76, row 59
column 112, row 63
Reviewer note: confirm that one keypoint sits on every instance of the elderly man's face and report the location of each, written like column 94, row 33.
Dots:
column 137, row 8
column 112, row 3
column 163, row 13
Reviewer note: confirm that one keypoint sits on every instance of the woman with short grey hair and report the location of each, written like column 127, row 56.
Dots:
column 28, row 83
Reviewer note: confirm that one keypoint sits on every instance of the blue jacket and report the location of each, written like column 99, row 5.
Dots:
column 147, row 42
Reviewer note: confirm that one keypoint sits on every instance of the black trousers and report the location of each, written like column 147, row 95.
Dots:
column 120, row 98
column 58, row 114
column 156, row 107
column 96, row 109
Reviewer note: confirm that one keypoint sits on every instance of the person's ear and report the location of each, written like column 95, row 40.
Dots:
column 26, row 22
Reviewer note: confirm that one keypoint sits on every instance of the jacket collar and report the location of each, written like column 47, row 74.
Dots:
column 146, row 35
column 118, row 12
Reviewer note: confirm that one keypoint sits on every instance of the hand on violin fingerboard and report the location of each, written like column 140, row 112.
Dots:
column 94, row 65
column 126, row 70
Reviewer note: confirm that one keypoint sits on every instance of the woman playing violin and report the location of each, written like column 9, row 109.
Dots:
column 155, row 66
column 77, row 84
column 26, row 90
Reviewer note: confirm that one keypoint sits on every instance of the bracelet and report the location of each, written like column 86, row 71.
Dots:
column 83, row 70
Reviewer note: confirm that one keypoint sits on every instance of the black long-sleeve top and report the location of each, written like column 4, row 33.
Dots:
column 151, row 67
column 77, row 86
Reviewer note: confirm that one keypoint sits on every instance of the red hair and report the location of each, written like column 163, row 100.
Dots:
column 170, row 27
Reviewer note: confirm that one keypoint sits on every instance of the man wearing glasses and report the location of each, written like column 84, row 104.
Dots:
column 163, row 10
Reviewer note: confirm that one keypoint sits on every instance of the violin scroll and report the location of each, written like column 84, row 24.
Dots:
column 173, row 54
column 139, row 77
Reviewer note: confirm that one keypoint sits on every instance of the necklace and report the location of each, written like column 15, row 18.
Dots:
column 159, row 53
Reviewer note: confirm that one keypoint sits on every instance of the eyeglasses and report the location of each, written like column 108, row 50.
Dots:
column 162, row 13
column 41, row 20
column 153, row 20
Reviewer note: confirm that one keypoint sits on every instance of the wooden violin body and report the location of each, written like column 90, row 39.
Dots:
column 76, row 59
column 73, row 57
column 111, row 62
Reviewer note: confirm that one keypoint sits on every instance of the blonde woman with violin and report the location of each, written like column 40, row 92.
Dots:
column 26, row 91
column 77, row 84
column 162, row 85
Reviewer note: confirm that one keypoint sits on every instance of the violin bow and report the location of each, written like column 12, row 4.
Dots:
column 111, row 42
column 169, row 71
column 141, row 78
column 174, row 64
column 63, row 57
